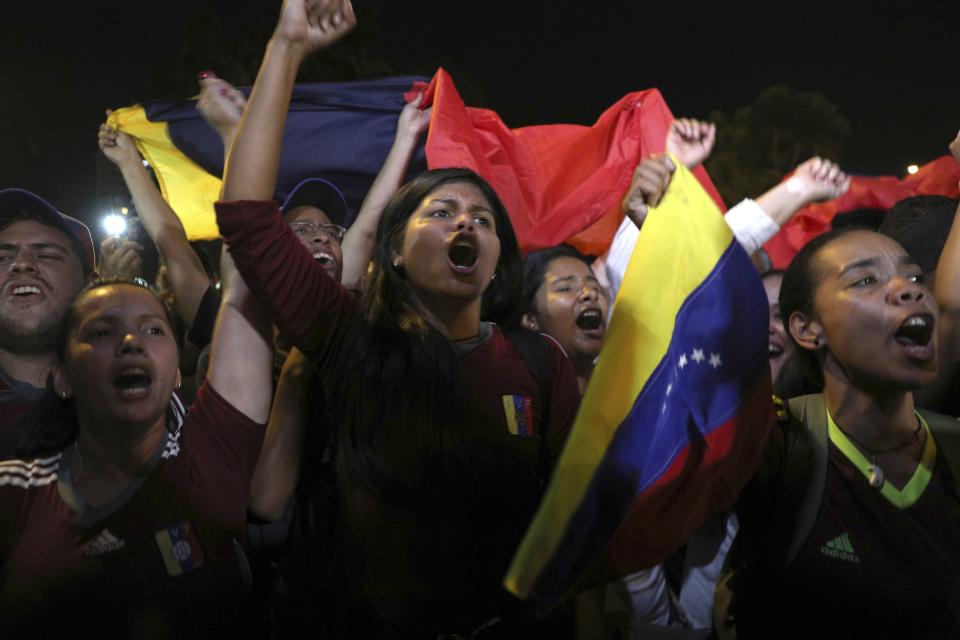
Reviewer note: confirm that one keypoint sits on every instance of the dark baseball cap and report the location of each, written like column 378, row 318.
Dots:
column 319, row 193
column 14, row 200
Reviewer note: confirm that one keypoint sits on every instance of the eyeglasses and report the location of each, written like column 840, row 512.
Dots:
column 305, row 229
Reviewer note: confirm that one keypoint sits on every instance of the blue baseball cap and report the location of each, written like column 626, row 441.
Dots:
column 14, row 200
column 319, row 193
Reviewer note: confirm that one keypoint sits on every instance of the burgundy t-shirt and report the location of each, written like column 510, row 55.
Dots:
column 16, row 399
column 410, row 569
column 869, row 568
column 161, row 558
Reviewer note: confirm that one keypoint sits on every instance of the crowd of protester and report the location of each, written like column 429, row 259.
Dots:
column 345, row 429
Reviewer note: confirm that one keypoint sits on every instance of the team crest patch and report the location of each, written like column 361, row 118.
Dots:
column 519, row 414
column 179, row 548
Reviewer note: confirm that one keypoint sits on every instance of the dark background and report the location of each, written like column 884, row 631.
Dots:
column 892, row 75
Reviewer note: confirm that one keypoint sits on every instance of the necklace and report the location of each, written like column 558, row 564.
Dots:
column 877, row 477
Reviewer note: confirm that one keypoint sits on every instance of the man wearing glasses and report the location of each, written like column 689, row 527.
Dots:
column 315, row 211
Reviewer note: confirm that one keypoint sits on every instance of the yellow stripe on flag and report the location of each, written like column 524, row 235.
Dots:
column 511, row 413
column 188, row 189
column 679, row 246
column 165, row 543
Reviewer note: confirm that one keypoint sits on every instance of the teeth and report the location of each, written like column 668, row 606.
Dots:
column 18, row 291
column 324, row 258
column 915, row 321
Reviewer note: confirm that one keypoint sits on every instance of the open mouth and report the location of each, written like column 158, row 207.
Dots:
column 774, row 350
column 590, row 319
column 916, row 331
column 325, row 259
column 132, row 382
column 463, row 253
column 25, row 291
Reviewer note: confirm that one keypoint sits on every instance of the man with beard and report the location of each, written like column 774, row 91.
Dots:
column 45, row 258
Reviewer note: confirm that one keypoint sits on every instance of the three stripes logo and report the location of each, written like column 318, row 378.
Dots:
column 841, row 549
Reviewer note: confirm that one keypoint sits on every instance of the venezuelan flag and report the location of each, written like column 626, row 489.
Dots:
column 338, row 131
column 676, row 412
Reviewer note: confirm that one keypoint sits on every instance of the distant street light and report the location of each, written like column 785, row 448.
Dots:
column 912, row 169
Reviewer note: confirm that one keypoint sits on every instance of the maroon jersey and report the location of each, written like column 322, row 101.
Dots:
column 161, row 558
column 432, row 565
column 869, row 567
column 16, row 399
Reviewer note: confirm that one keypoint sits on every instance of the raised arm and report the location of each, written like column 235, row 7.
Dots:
column 815, row 180
column 221, row 105
column 241, row 358
column 947, row 286
column 278, row 469
column 305, row 302
column 254, row 157
column 187, row 278
column 358, row 243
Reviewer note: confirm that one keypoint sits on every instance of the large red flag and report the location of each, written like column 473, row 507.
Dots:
column 939, row 177
column 561, row 182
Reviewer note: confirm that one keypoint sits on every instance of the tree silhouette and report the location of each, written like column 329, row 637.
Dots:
column 759, row 143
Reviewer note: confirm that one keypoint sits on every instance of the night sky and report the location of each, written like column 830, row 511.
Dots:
column 895, row 76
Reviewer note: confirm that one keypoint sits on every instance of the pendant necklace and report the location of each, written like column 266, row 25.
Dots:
column 877, row 477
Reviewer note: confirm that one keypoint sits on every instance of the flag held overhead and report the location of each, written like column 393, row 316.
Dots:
column 675, row 414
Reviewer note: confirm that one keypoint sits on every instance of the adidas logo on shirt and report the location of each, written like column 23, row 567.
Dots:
column 841, row 549
column 104, row 544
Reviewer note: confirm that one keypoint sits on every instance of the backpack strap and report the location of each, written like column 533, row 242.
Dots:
column 810, row 411
column 533, row 348
column 946, row 433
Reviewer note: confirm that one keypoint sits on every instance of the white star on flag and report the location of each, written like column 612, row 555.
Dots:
column 698, row 356
column 683, row 360
column 715, row 360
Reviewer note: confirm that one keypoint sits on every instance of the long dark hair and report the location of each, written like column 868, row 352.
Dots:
column 399, row 397
column 388, row 298
column 535, row 267
column 51, row 425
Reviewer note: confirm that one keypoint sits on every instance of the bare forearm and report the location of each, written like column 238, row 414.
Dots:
column 947, row 294
column 187, row 276
column 278, row 470
column 358, row 243
column 158, row 219
column 254, row 157
column 782, row 201
column 241, row 361
column 947, row 285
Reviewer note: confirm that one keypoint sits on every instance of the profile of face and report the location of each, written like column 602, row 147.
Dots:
column 320, row 236
column 450, row 247
column 39, row 275
column 571, row 306
column 874, row 319
column 780, row 346
column 120, row 363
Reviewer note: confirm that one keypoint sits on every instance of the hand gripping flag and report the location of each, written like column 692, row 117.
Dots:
column 676, row 412
column 338, row 131
column 560, row 182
